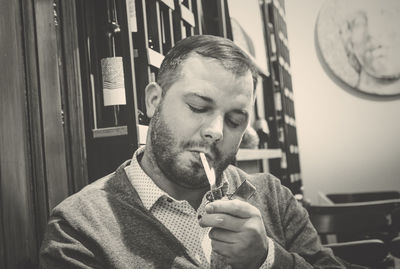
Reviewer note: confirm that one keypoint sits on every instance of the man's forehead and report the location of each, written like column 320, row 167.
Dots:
column 198, row 64
column 196, row 60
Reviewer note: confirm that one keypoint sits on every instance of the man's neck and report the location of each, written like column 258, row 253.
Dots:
column 150, row 167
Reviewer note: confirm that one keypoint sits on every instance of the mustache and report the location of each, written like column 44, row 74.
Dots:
column 201, row 144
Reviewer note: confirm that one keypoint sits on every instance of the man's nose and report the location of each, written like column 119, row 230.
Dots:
column 212, row 130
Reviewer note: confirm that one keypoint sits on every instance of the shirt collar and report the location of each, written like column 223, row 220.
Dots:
column 147, row 190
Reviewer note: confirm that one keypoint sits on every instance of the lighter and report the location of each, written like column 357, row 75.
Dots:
column 243, row 192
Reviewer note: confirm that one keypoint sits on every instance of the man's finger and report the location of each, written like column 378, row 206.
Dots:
column 223, row 221
column 221, row 248
column 237, row 208
column 222, row 235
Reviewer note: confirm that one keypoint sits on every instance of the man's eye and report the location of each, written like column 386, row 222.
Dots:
column 232, row 123
column 197, row 109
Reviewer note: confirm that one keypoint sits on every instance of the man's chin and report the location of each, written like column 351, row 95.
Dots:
column 191, row 183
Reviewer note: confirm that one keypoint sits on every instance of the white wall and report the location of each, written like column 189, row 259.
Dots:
column 348, row 142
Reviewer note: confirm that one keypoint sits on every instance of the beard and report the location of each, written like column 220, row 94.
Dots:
column 169, row 153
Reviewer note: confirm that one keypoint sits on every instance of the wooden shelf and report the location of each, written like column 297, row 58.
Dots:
column 242, row 155
column 120, row 131
column 155, row 58
column 258, row 154
column 110, row 131
column 188, row 16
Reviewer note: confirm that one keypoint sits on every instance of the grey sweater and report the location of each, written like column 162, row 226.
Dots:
column 106, row 226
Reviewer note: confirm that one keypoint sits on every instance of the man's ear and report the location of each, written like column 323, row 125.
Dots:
column 153, row 98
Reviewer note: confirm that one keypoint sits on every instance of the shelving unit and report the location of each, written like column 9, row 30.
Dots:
column 280, row 107
column 149, row 28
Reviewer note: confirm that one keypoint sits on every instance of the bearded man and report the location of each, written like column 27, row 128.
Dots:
column 153, row 212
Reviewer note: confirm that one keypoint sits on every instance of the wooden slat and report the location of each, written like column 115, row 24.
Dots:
column 198, row 12
column 130, row 80
column 110, row 132
column 54, row 145
column 37, row 161
column 169, row 3
column 73, row 92
column 171, row 27
column 258, row 154
column 159, row 29
column 188, row 16
column 140, row 42
column 176, row 21
column 155, row 58
column 152, row 20
column 142, row 134
column 2, row 237
column 222, row 18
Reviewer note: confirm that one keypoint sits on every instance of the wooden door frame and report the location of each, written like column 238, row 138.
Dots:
column 42, row 159
column 73, row 111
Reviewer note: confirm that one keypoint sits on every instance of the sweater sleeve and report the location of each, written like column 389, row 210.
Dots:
column 302, row 247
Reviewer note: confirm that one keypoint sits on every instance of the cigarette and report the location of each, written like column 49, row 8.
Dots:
column 209, row 171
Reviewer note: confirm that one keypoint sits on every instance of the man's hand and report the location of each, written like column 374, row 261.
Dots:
column 237, row 232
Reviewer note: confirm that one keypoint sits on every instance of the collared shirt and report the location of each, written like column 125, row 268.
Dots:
column 180, row 218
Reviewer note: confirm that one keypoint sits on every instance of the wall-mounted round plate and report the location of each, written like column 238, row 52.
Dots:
column 359, row 41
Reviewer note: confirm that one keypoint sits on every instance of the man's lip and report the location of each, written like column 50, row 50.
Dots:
column 209, row 156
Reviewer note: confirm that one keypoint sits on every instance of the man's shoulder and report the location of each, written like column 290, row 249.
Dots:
column 236, row 175
column 95, row 191
column 96, row 195
column 267, row 185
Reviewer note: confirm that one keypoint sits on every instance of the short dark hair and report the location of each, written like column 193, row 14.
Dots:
column 223, row 50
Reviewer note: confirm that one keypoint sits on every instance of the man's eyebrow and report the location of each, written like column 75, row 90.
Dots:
column 204, row 98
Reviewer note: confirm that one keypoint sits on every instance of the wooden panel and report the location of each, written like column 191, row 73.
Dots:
column 176, row 21
column 155, row 58
column 110, row 131
column 54, row 145
column 140, row 42
column 2, row 238
column 188, row 16
column 74, row 116
column 152, row 19
column 106, row 154
column 198, row 11
column 212, row 25
column 130, row 80
column 38, row 173
column 17, row 212
column 222, row 18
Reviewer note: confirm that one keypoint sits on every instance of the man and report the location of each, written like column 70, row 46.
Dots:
column 153, row 212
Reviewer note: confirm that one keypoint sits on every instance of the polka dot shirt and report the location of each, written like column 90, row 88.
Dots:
column 179, row 217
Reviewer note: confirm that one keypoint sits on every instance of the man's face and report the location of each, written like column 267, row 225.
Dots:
column 205, row 110
column 376, row 43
